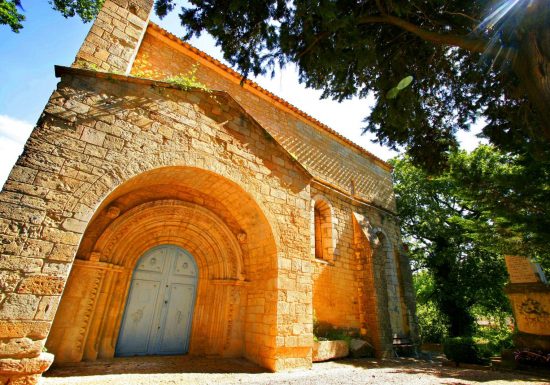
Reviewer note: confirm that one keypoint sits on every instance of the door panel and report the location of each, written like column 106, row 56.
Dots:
column 159, row 310
column 153, row 262
column 139, row 316
column 183, row 265
column 174, row 339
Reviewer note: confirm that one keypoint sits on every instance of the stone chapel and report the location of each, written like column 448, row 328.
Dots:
column 147, row 219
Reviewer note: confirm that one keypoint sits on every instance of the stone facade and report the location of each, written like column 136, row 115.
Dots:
column 242, row 180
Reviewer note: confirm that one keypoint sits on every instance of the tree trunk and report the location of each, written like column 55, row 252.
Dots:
column 450, row 299
column 532, row 66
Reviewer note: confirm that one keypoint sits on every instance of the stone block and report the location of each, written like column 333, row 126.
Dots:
column 74, row 225
column 47, row 308
column 25, row 366
column 19, row 307
column 9, row 281
column 360, row 348
column 22, row 264
column 93, row 136
column 23, row 174
column 35, row 248
column 19, row 329
column 41, row 285
column 20, row 348
column 329, row 350
column 61, row 236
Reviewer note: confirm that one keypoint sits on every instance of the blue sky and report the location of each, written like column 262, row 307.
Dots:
column 27, row 71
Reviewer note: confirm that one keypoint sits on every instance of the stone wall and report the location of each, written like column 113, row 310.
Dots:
column 353, row 290
column 117, row 31
column 326, row 156
column 98, row 134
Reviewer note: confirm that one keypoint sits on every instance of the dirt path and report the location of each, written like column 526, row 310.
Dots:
column 193, row 370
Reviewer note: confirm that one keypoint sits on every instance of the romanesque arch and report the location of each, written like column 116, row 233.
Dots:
column 323, row 231
column 197, row 210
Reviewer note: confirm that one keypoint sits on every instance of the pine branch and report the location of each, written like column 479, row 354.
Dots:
column 465, row 42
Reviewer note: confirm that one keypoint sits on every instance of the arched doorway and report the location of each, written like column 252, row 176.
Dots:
column 158, row 313
column 224, row 229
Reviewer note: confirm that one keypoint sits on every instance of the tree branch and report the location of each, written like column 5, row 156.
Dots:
column 467, row 43
column 313, row 44
column 463, row 15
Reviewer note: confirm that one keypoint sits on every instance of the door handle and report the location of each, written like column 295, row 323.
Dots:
column 179, row 316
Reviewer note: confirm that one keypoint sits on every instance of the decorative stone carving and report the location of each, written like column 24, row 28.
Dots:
column 112, row 212
column 241, row 237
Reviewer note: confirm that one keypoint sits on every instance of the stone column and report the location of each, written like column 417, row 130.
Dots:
column 529, row 294
column 115, row 36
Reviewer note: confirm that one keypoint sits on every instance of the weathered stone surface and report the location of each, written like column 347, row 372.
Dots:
column 32, row 379
column 19, row 307
column 36, row 248
column 41, row 284
column 9, row 281
column 22, row 264
column 47, row 308
column 118, row 166
column 20, row 348
column 329, row 350
column 26, row 366
column 62, row 252
column 17, row 329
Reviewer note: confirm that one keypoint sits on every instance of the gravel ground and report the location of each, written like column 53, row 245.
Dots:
column 194, row 370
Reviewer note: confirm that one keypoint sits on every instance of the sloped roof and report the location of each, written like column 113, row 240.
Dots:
column 316, row 123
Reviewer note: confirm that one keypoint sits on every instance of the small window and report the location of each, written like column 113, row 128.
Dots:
column 323, row 231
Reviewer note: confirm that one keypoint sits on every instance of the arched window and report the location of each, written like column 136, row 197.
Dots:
column 322, row 214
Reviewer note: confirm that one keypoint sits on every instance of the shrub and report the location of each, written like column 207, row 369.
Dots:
column 431, row 323
column 462, row 350
column 494, row 339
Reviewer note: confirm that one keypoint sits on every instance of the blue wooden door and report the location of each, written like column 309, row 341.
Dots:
column 159, row 309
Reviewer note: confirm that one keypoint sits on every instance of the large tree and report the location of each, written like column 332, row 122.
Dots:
column 468, row 58
column 488, row 58
column 453, row 244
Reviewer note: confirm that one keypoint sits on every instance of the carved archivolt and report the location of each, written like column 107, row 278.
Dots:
column 185, row 224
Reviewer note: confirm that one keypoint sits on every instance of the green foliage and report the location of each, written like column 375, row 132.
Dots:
column 454, row 248
column 335, row 334
column 513, row 191
column 463, row 69
column 432, row 323
column 492, row 331
column 493, row 340
column 188, row 80
column 9, row 15
column 86, row 65
column 87, row 10
column 463, row 350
